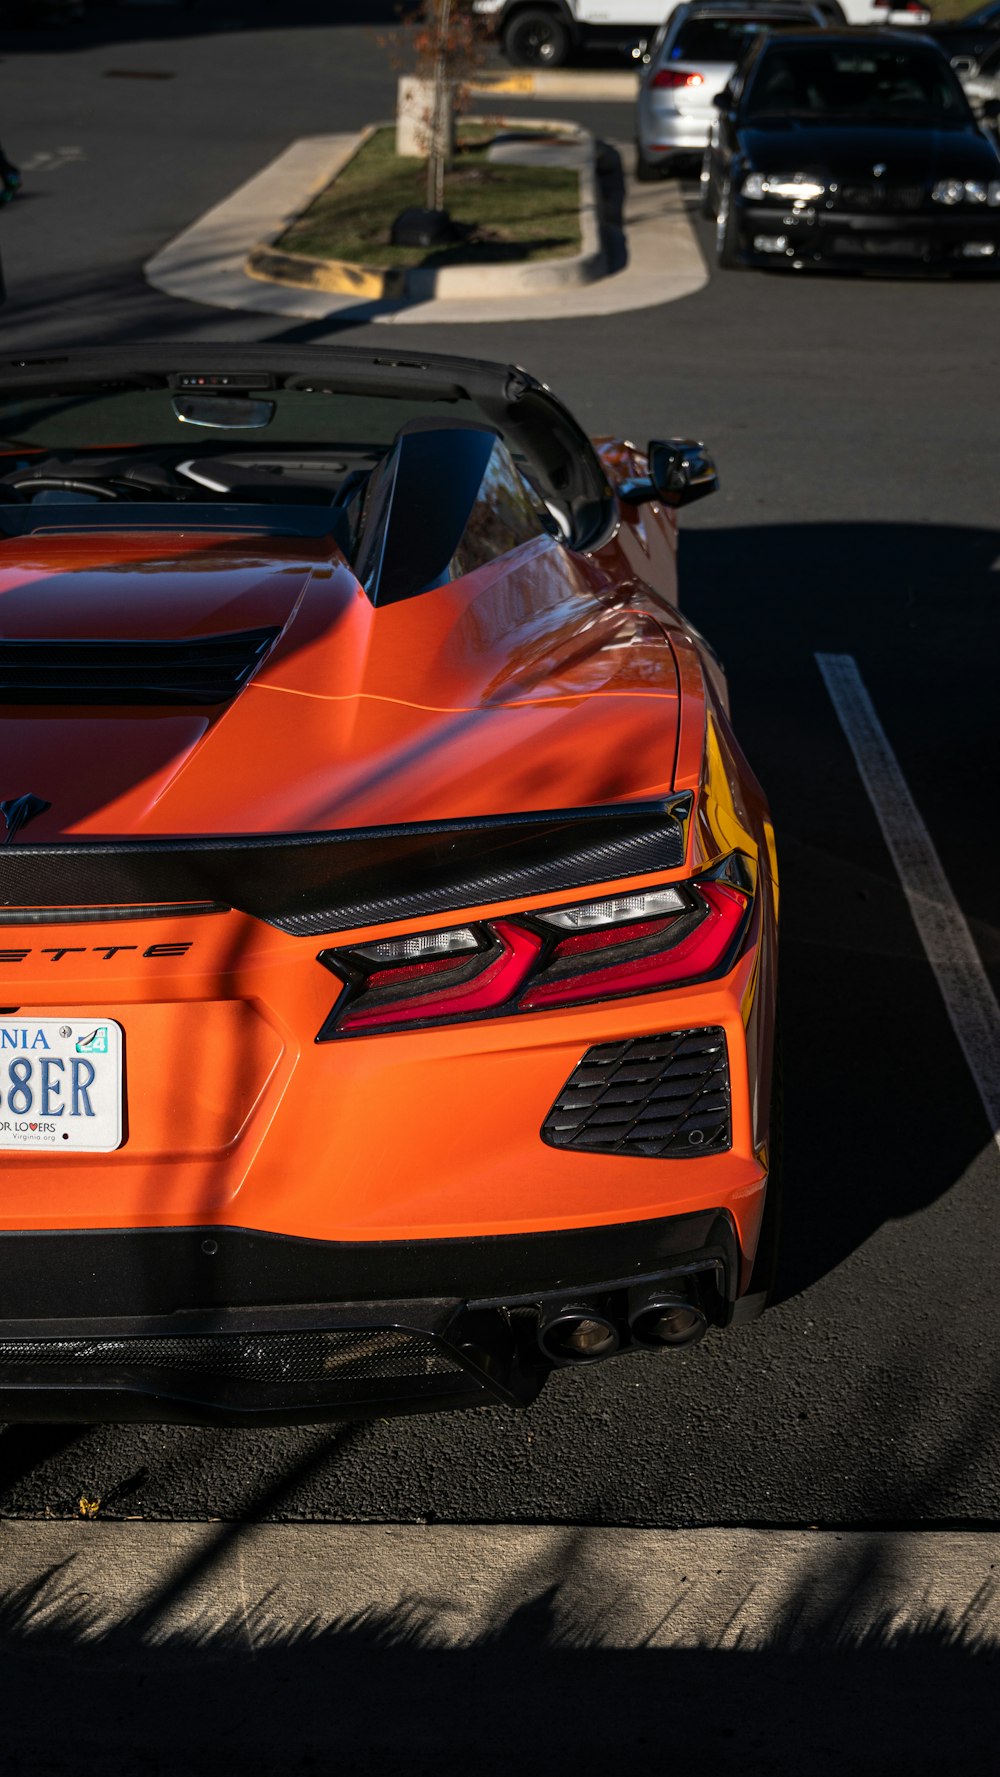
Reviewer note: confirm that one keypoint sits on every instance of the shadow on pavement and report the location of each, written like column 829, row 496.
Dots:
column 832, row 1685
column 40, row 26
column 881, row 1114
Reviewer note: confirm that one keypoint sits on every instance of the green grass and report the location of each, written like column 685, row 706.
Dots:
column 512, row 213
column 945, row 11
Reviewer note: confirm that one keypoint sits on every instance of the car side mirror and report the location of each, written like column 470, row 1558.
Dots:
column 723, row 101
column 990, row 109
column 680, row 472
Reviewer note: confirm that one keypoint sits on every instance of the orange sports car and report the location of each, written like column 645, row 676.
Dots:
column 388, row 965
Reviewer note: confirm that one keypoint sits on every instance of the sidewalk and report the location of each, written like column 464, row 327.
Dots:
column 656, row 260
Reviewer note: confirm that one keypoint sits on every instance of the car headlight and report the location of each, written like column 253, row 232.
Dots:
column 788, row 188
column 966, row 191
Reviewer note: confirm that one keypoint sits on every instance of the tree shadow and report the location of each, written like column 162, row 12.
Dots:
column 29, row 27
column 832, row 1675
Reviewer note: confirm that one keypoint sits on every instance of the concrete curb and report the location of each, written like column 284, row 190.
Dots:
column 449, row 283
column 608, row 1588
column 659, row 259
column 561, row 83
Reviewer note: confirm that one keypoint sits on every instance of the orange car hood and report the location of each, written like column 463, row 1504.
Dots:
column 524, row 685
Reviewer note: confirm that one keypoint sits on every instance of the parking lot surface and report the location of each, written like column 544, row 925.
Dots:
column 854, row 421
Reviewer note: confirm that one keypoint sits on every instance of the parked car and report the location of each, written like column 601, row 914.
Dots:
column 547, row 33
column 690, row 61
column 973, row 36
column 389, row 910
column 845, row 148
column 981, row 84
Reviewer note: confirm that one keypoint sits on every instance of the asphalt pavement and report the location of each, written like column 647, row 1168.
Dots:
column 854, row 420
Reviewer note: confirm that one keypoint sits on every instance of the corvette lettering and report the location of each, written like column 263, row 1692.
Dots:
column 56, row 953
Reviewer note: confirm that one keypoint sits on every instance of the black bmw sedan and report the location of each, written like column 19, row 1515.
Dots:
column 848, row 148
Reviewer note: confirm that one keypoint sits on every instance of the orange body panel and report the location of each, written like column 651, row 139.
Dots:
column 548, row 679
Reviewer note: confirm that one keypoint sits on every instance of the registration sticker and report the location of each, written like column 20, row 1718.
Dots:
column 60, row 1084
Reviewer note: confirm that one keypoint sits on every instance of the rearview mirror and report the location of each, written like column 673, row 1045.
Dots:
column 680, row 472
column 225, row 413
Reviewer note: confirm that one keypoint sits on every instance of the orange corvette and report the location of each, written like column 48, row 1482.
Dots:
column 388, row 963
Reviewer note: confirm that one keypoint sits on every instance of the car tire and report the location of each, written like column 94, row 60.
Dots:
column 727, row 239
column 536, row 38
column 706, row 202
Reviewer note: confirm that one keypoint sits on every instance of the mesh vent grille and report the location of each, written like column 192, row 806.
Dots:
column 380, row 1355
column 663, row 1097
column 202, row 669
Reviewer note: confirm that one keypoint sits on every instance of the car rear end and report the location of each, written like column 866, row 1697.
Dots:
column 258, row 1168
column 690, row 64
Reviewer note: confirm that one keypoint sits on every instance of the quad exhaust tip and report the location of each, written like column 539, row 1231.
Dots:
column 662, row 1317
column 577, row 1333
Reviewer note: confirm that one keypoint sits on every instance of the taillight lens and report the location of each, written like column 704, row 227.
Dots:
column 641, row 961
column 596, row 950
column 674, row 77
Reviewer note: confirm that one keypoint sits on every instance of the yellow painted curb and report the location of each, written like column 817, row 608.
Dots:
column 338, row 276
column 503, row 83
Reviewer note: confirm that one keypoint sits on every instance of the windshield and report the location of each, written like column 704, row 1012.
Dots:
column 887, row 83
column 725, row 39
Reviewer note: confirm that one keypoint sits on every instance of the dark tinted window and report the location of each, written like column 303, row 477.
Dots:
column 885, row 82
column 725, row 39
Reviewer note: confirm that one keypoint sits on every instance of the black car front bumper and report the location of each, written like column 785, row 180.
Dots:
column 231, row 1326
column 832, row 237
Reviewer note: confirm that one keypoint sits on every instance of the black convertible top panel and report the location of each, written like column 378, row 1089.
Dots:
column 331, row 882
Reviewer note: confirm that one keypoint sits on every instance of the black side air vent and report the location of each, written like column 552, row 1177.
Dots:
column 204, row 669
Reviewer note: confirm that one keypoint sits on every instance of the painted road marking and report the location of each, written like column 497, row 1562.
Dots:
column 951, row 951
column 49, row 160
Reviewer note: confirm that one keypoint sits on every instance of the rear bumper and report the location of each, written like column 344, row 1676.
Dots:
column 228, row 1325
column 833, row 239
column 662, row 134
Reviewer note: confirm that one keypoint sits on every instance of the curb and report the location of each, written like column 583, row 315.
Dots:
column 449, row 283
column 655, row 257
column 561, row 83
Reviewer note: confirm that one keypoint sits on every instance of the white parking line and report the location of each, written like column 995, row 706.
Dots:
column 970, row 1001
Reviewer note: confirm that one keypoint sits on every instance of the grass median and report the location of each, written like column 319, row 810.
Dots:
column 507, row 213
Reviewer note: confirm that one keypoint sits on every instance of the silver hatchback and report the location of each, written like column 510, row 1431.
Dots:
column 691, row 58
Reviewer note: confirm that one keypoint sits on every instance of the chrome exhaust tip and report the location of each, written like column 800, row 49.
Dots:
column 576, row 1333
column 659, row 1318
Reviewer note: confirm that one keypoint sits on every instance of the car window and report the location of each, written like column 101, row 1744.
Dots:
column 724, row 39
column 854, row 82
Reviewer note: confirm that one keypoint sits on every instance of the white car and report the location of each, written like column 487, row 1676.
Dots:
column 545, row 33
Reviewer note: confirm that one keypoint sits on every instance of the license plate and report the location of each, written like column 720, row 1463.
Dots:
column 61, row 1084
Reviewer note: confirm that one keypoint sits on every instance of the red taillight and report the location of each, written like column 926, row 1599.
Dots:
column 507, row 966
column 676, row 77
column 691, row 932
column 699, row 953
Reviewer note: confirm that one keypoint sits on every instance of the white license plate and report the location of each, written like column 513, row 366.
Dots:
column 60, row 1084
